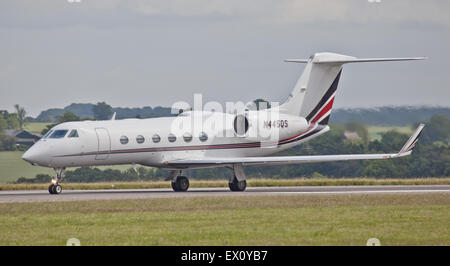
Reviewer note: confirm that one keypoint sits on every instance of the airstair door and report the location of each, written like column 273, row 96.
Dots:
column 104, row 143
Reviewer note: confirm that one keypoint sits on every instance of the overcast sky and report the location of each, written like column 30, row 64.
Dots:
column 148, row 53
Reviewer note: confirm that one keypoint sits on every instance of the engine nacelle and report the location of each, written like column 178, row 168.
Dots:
column 268, row 126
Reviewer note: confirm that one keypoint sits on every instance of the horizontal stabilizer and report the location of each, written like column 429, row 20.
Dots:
column 353, row 60
column 296, row 60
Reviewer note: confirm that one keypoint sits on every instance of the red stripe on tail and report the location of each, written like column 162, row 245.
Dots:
column 324, row 110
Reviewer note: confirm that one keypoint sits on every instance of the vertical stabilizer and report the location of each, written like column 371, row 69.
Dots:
column 314, row 93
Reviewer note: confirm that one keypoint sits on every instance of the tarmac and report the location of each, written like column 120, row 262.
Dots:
column 117, row 194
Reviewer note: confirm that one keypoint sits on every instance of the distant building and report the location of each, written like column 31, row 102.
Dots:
column 351, row 135
column 23, row 137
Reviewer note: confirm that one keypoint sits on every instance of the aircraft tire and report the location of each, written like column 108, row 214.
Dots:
column 174, row 186
column 57, row 189
column 54, row 189
column 181, row 185
column 50, row 189
column 236, row 185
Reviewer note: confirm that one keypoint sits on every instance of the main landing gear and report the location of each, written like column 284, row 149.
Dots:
column 236, row 185
column 181, row 183
column 55, row 187
column 237, row 181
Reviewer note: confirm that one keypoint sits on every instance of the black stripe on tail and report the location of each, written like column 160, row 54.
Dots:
column 324, row 99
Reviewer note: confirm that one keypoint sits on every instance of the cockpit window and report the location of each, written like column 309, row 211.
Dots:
column 47, row 134
column 73, row 134
column 57, row 134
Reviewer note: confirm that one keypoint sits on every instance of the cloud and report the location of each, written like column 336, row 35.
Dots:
column 229, row 50
column 300, row 11
column 62, row 12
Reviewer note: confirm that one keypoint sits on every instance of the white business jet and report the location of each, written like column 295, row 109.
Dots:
column 216, row 139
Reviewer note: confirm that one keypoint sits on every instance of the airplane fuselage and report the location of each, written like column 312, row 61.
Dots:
column 154, row 141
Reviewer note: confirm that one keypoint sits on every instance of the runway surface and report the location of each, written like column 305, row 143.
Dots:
column 73, row 195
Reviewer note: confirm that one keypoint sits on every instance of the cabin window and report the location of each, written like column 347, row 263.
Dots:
column 58, row 134
column 172, row 137
column 156, row 138
column 73, row 134
column 203, row 137
column 187, row 137
column 47, row 134
column 140, row 139
column 124, row 140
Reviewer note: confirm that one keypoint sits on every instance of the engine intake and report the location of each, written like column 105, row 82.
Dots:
column 240, row 125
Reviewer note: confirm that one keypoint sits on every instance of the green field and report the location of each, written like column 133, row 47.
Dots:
column 395, row 219
column 263, row 182
column 35, row 127
column 12, row 167
column 376, row 131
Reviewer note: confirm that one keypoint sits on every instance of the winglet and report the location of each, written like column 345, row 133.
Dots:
column 409, row 145
column 113, row 116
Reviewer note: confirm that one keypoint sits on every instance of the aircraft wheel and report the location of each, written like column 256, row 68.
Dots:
column 174, row 186
column 236, row 185
column 50, row 189
column 57, row 189
column 182, row 184
column 54, row 189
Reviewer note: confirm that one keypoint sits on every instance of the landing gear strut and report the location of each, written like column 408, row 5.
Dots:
column 181, row 183
column 237, row 181
column 55, row 187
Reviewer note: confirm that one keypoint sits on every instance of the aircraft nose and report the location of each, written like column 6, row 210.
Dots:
column 30, row 156
column 34, row 155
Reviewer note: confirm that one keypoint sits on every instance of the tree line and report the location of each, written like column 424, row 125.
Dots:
column 101, row 111
column 14, row 121
column 384, row 116
column 387, row 115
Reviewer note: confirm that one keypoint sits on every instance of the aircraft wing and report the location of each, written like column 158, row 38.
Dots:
column 280, row 160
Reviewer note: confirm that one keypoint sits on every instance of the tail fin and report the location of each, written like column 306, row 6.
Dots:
column 314, row 93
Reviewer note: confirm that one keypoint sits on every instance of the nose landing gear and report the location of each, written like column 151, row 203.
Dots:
column 55, row 187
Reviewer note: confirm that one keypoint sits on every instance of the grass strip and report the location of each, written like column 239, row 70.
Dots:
column 267, row 220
